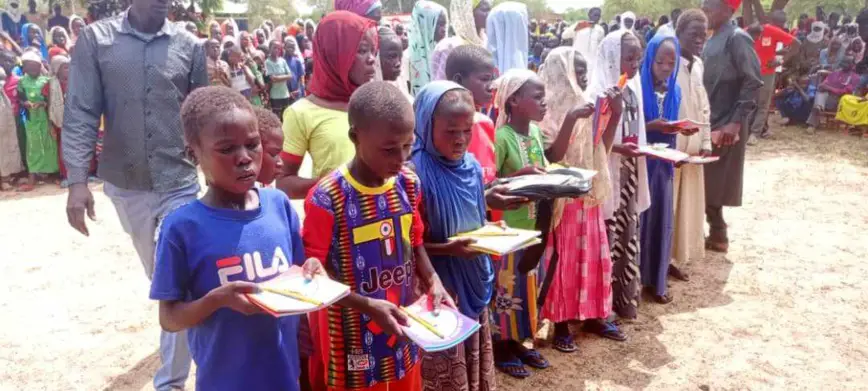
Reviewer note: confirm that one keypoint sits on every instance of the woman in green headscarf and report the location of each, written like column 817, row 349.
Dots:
column 429, row 27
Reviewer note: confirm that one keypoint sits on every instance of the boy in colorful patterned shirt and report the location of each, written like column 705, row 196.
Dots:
column 363, row 220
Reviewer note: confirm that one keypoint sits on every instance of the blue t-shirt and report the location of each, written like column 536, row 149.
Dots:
column 296, row 66
column 198, row 249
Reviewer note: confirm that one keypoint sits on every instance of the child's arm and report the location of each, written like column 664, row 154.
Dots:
column 282, row 78
column 170, row 285
column 22, row 97
column 177, row 315
column 616, row 104
column 561, row 143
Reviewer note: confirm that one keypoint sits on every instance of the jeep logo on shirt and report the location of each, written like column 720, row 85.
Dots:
column 386, row 279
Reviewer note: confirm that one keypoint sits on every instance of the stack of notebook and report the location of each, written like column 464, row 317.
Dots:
column 496, row 240
column 662, row 151
column 292, row 294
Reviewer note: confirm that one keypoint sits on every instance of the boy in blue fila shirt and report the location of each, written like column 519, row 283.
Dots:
column 212, row 251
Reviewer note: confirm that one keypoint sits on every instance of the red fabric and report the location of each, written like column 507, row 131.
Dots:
column 733, row 4
column 766, row 46
column 582, row 281
column 482, row 146
column 317, row 231
column 417, row 231
column 289, row 158
column 11, row 90
column 55, row 50
column 335, row 45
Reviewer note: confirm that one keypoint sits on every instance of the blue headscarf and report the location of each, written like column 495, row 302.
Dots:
column 672, row 102
column 454, row 202
column 25, row 42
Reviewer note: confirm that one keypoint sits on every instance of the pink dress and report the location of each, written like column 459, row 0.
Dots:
column 582, row 285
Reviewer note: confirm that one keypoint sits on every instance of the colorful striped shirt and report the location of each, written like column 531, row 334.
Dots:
column 366, row 237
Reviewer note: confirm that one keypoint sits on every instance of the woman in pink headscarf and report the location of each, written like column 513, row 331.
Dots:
column 371, row 9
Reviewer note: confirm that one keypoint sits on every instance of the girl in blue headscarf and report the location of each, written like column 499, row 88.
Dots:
column 662, row 97
column 31, row 35
column 454, row 202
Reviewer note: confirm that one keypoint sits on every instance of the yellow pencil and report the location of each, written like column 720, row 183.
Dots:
column 423, row 322
column 291, row 294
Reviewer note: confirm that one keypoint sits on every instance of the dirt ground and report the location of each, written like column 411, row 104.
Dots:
column 786, row 309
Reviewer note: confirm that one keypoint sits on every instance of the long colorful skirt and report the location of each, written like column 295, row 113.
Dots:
column 624, row 240
column 466, row 367
column 657, row 227
column 514, row 305
column 41, row 146
column 581, row 283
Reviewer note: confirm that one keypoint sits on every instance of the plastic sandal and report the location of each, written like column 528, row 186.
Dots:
column 533, row 359
column 513, row 368
column 606, row 330
column 565, row 344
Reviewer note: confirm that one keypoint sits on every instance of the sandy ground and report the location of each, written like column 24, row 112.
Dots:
column 784, row 310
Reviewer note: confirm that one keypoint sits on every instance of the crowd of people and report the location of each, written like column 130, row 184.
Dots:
column 408, row 127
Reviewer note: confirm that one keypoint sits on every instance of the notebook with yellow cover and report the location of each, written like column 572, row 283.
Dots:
column 496, row 240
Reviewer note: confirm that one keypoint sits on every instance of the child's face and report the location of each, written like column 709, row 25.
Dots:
column 77, row 25
column 272, row 164
column 363, row 69
column 390, row 57
column 34, row 34
column 215, row 31
column 581, row 68
column 32, row 68
column 479, row 82
column 290, row 46
column 631, row 55
column 212, row 47
column 229, row 150
column 234, row 57
column 384, row 146
column 664, row 61
column 58, row 38
column 529, row 101
column 63, row 72
column 453, row 123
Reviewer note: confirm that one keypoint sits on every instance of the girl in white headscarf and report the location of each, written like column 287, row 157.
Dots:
column 519, row 150
column 578, row 258
column 620, row 53
column 507, row 35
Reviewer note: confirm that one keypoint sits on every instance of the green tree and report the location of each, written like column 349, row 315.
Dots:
column 278, row 11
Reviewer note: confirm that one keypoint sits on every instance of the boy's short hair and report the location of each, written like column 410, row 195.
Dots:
column 378, row 102
column 689, row 16
column 466, row 59
column 205, row 104
column 267, row 120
